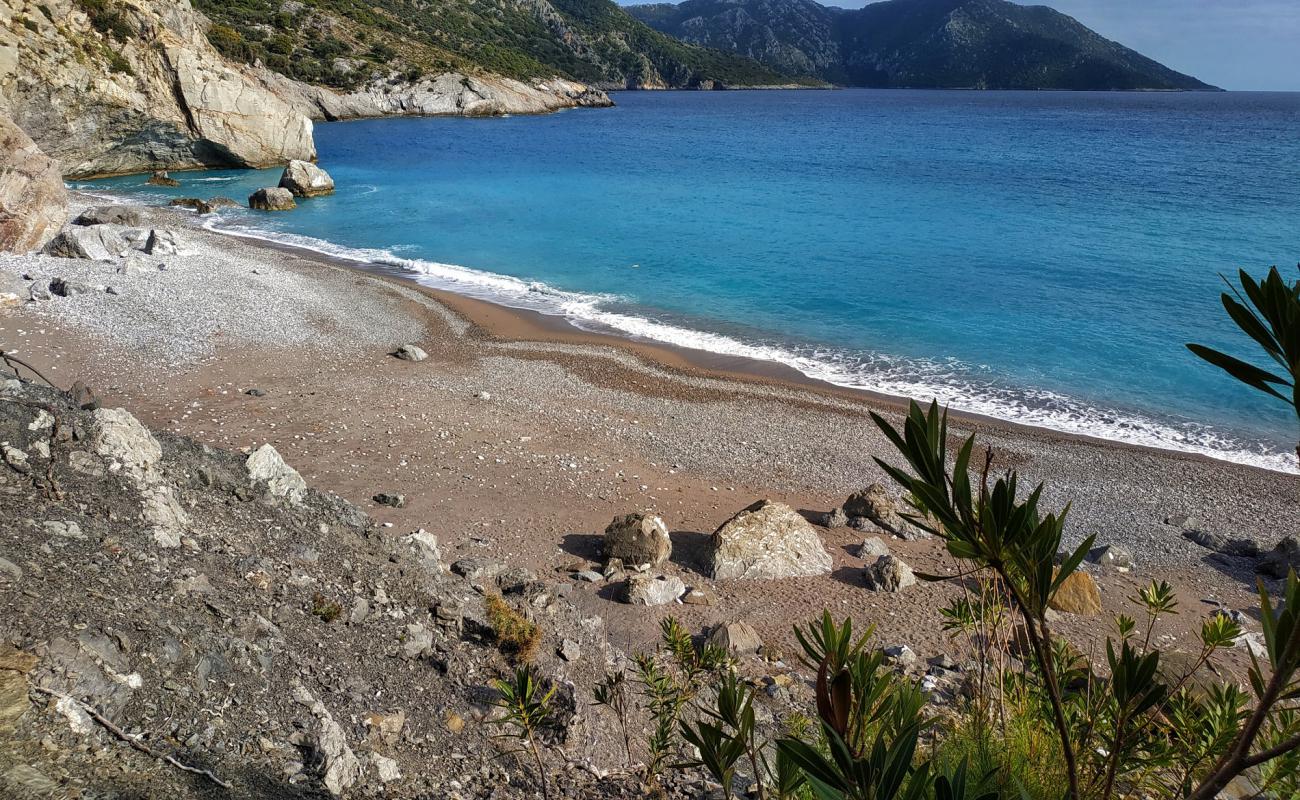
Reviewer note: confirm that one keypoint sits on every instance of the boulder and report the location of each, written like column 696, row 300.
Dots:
column 835, row 518
column 637, row 539
column 97, row 243
column 888, row 574
column 1284, row 557
column 736, row 638
column 410, row 352
column 222, row 202
column 33, row 200
column 305, row 179
column 339, row 766
column 767, row 540
column 271, row 199
column 876, row 505
column 109, row 215
column 477, row 569
column 67, row 288
column 646, row 589
column 1078, row 594
column 267, row 468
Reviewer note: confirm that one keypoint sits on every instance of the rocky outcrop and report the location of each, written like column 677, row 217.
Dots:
column 139, row 88
column 767, row 540
column 33, row 201
column 449, row 94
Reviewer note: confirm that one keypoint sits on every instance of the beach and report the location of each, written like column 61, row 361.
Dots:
column 521, row 437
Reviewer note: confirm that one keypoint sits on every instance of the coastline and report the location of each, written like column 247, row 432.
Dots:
column 525, row 435
column 513, row 323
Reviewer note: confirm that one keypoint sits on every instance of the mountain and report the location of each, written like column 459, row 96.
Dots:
column 347, row 43
column 976, row 44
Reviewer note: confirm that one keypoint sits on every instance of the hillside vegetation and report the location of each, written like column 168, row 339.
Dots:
column 344, row 43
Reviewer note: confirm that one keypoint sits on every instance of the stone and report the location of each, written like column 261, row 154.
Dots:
column 637, row 539
column 736, row 638
column 1284, row 557
column 569, row 650
column 161, row 178
column 386, row 769
column 426, row 547
column 646, row 589
column 266, row 468
column 417, row 641
column 410, row 352
column 391, row 500
column 67, row 288
column 767, row 540
column 872, row 547
column 888, row 574
column 515, row 580
column 127, row 216
column 33, row 198
column 10, row 571
column 222, row 202
column 900, row 654
column 835, row 518
column 255, row 392
column 1077, row 594
column 875, row 503
column 339, row 766
column 1242, row 548
column 305, row 179
column 161, row 242
column 388, row 727
column 1112, row 556
column 95, row 243
column 698, row 596
column 477, row 569
column 272, row 198
column 589, row 576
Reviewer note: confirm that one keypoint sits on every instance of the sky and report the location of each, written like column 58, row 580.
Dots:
column 1234, row 44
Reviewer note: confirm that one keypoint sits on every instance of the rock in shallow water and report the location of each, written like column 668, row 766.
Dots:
column 272, row 199
column 767, row 540
column 305, row 179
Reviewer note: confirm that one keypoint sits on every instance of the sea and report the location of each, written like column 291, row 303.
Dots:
column 1038, row 257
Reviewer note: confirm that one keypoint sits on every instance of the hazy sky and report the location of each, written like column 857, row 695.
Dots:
column 1236, row 44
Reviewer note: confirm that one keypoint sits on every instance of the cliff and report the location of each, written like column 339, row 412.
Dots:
column 967, row 44
column 136, row 86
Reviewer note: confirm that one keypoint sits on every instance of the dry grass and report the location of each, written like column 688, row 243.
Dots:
column 517, row 637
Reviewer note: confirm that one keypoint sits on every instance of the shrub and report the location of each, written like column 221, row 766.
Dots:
column 526, row 709
column 517, row 637
column 328, row 610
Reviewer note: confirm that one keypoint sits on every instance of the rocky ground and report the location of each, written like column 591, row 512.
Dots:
column 186, row 596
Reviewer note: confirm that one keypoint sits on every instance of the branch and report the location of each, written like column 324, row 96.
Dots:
column 12, row 359
column 134, row 741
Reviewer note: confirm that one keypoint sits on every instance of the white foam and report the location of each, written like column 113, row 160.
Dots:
column 946, row 381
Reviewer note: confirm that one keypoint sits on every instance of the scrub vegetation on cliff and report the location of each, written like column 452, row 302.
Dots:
column 343, row 43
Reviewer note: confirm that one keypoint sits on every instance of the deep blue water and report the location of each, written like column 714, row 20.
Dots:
column 1040, row 257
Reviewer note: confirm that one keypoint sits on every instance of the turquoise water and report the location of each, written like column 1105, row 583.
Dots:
column 1040, row 257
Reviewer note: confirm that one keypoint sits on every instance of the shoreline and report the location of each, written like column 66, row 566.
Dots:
column 512, row 323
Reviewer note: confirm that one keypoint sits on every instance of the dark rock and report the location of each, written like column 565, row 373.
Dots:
column 84, row 397
column 637, row 539
column 109, row 215
column 1284, row 557
column 255, row 392
column 393, row 500
column 67, row 288
column 876, row 505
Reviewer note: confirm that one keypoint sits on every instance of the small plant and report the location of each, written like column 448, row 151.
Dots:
column 612, row 693
column 328, row 610
column 526, row 709
column 516, row 635
column 670, row 682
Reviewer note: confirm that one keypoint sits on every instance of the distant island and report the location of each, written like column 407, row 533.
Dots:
column 929, row 44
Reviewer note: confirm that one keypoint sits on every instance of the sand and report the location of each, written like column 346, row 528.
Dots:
column 521, row 437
